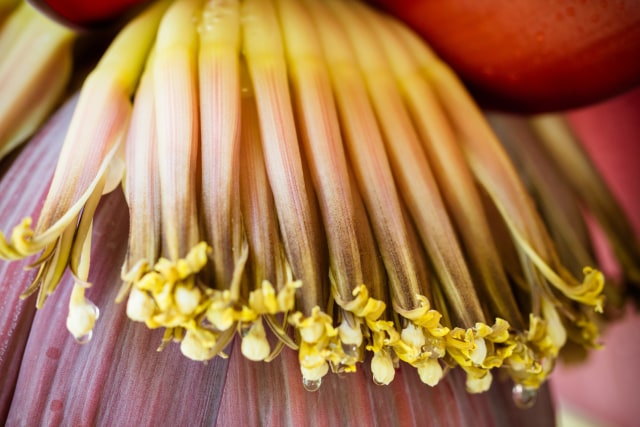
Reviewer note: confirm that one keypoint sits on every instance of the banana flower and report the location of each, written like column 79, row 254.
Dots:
column 309, row 178
column 48, row 379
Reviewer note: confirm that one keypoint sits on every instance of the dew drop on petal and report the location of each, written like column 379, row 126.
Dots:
column 244, row 330
column 524, row 397
column 84, row 338
column 311, row 385
column 350, row 350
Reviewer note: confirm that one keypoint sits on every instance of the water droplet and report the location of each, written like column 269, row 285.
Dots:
column 524, row 397
column 350, row 350
column 311, row 385
column 244, row 330
column 84, row 338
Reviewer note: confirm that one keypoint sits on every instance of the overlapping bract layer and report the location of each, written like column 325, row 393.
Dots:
column 312, row 166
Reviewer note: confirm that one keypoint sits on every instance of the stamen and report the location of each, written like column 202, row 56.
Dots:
column 197, row 344
column 382, row 368
column 142, row 187
column 480, row 382
column 254, row 344
column 176, row 298
column 430, row 372
column 140, row 305
column 318, row 339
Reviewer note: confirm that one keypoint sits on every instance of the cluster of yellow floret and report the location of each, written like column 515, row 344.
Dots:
column 205, row 320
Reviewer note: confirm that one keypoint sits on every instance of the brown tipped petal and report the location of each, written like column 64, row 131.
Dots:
column 220, row 99
column 141, row 185
column 320, row 134
column 458, row 187
column 412, row 170
column 365, row 147
column 259, row 213
column 176, row 107
column 293, row 196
